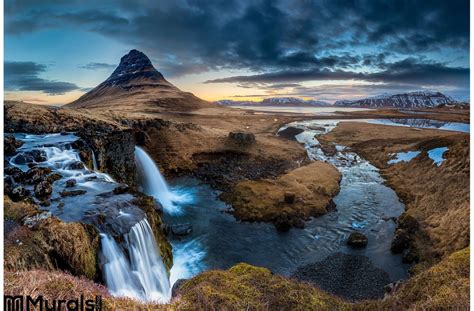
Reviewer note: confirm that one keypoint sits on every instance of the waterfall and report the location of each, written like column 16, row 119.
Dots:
column 94, row 161
column 140, row 275
column 153, row 183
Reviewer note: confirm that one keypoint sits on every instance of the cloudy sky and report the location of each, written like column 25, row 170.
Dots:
column 327, row 50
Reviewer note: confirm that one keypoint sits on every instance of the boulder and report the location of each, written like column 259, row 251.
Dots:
column 181, row 229
column 37, row 155
column 176, row 286
column 53, row 177
column 289, row 197
column 17, row 174
column 357, row 240
column 242, row 139
column 400, row 241
column 78, row 165
column 19, row 193
column 36, row 174
column 72, row 193
column 11, row 144
column 43, row 189
column 410, row 255
column 328, row 149
column 8, row 184
column 121, row 189
column 290, row 132
column 70, row 183
column 22, row 159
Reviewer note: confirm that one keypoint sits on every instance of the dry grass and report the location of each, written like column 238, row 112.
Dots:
column 313, row 185
column 438, row 197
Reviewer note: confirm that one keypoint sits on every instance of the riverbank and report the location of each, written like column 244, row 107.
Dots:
column 228, row 149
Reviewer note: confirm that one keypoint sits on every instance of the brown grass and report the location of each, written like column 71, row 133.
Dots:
column 313, row 185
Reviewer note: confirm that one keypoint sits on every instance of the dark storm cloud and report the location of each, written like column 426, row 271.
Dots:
column 410, row 71
column 23, row 76
column 278, row 40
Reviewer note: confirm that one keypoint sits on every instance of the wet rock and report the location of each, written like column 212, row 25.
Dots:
column 43, row 189
column 331, row 206
column 17, row 174
column 36, row 155
column 410, row 255
column 400, row 241
column 71, row 193
column 298, row 223
column 22, row 159
column 290, row 132
column 11, row 145
column 289, row 197
column 53, row 177
column 241, row 138
column 357, row 240
column 36, row 174
column 78, row 165
column 70, row 183
column 176, row 287
column 8, row 184
column 34, row 220
column 328, row 149
column 283, row 223
column 181, row 229
column 141, row 138
column 121, row 189
column 19, row 193
column 408, row 223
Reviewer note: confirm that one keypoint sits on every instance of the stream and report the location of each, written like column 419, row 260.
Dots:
column 130, row 257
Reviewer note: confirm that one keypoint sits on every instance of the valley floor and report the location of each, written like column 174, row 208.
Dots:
column 238, row 153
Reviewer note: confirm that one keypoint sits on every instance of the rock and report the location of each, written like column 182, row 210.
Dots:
column 53, row 177
column 298, row 223
column 176, row 287
column 8, row 184
column 290, row 132
column 400, row 241
column 17, row 174
column 141, row 138
column 36, row 174
column 328, row 149
column 43, row 189
column 78, row 165
column 33, row 221
column 410, row 255
column 70, row 183
column 19, row 193
column 36, row 155
column 181, row 229
column 72, row 193
column 357, row 239
column 353, row 277
column 408, row 223
column 331, row 206
column 11, row 144
column 289, row 197
column 121, row 189
column 283, row 223
column 242, row 139
column 22, row 159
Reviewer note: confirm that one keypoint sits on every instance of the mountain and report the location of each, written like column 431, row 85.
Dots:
column 136, row 84
column 405, row 100
column 275, row 102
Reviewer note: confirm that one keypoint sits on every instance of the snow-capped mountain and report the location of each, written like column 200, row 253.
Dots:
column 275, row 101
column 405, row 100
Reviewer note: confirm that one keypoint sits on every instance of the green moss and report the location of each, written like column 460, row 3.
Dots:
column 244, row 287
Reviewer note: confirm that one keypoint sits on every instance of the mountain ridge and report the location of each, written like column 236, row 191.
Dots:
column 275, row 102
column 136, row 83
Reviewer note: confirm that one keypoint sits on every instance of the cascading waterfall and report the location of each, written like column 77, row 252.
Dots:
column 141, row 276
column 132, row 268
column 152, row 183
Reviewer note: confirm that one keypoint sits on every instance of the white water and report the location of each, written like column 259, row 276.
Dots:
column 141, row 276
column 152, row 183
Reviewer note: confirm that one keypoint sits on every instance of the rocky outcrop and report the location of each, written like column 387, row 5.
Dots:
column 48, row 243
column 357, row 240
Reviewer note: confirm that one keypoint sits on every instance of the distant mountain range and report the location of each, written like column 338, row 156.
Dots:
column 135, row 83
column 276, row 102
column 406, row 100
